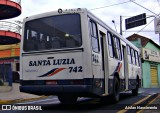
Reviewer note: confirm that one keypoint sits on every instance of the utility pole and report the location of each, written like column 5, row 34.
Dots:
column 121, row 25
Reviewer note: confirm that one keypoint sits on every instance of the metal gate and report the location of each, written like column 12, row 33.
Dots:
column 154, row 76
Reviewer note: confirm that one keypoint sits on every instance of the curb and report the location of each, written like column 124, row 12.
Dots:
column 20, row 100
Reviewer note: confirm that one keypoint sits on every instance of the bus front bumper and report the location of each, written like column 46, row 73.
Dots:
column 56, row 89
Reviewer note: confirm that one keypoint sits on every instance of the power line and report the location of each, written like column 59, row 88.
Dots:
column 147, row 10
column 135, row 3
column 155, row 6
column 144, row 7
column 145, row 26
column 152, row 5
column 111, row 5
column 141, row 31
column 151, row 20
column 158, row 3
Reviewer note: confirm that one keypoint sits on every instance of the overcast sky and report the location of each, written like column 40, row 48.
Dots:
column 110, row 11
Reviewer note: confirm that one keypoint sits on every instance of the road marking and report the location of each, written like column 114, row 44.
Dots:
column 140, row 101
column 149, row 103
column 53, row 102
column 38, row 101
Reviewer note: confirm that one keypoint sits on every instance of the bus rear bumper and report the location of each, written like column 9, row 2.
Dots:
column 55, row 90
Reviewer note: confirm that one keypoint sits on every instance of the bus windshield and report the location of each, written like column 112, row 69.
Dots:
column 54, row 32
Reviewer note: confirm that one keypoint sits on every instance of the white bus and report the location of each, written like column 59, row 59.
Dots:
column 71, row 53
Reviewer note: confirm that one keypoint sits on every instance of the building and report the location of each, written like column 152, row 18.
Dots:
column 151, row 60
column 9, row 59
column 9, row 38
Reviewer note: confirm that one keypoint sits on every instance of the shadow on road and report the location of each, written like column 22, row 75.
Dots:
column 91, row 104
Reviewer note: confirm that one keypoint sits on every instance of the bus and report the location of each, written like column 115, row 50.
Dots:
column 71, row 53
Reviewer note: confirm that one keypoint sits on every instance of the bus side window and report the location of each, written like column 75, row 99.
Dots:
column 117, row 48
column 137, row 59
column 94, row 36
column 133, row 56
column 110, row 44
column 114, row 47
column 129, row 54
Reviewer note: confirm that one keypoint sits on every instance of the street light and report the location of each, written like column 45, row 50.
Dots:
column 114, row 24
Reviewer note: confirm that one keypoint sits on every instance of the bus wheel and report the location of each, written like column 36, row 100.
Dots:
column 135, row 91
column 67, row 99
column 115, row 95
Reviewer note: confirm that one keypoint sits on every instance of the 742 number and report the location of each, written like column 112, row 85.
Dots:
column 75, row 69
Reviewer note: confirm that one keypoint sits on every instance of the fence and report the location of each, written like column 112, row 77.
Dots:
column 17, row 1
column 11, row 26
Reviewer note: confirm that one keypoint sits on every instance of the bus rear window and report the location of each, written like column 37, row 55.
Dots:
column 55, row 32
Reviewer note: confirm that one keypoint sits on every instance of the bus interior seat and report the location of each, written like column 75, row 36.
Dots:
column 42, row 42
column 31, row 44
column 56, row 44
column 48, row 45
column 70, row 43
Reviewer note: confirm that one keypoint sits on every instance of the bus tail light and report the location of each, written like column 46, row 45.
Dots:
column 51, row 82
column 77, row 82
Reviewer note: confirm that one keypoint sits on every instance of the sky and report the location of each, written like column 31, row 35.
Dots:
column 106, row 10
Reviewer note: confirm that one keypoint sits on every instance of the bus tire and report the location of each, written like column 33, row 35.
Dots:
column 116, row 91
column 67, row 99
column 135, row 91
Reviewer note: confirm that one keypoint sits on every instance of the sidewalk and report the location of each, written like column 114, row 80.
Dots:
column 5, row 89
column 12, row 94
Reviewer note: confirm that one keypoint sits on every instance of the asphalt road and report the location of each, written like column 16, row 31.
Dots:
column 87, row 105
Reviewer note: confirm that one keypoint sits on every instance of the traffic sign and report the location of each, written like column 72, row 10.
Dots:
column 135, row 21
